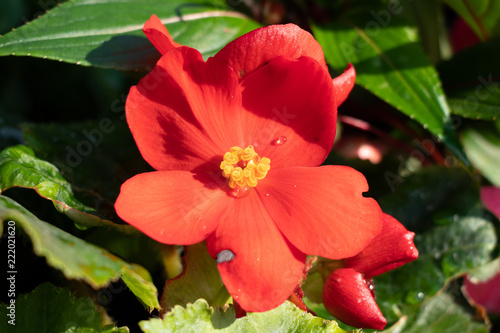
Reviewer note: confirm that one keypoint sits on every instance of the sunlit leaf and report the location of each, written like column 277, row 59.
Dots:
column 200, row 279
column 48, row 309
column 390, row 63
column 20, row 168
column 95, row 156
column 199, row 317
column 76, row 258
column 484, row 153
column 108, row 33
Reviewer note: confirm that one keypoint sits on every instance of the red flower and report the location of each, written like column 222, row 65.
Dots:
column 347, row 292
column 237, row 141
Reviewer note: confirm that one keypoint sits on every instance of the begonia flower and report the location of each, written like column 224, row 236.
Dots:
column 348, row 290
column 236, row 141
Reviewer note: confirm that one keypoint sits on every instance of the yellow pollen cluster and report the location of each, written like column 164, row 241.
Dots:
column 243, row 167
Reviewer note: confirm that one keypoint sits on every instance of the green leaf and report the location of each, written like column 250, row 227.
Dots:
column 484, row 273
column 483, row 150
column 76, row 258
column 389, row 62
column 20, row 168
column 108, row 33
column 441, row 314
column 431, row 26
column 471, row 84
column 96, row 156
column 199, row 317
column 200, row 279
column 445, row 252
column 48, row 309
column 430, row 195
column 481, row 15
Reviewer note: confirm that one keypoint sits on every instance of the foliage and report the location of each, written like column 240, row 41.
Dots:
column 429, row 110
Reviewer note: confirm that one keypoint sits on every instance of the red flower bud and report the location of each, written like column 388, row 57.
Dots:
column 348, row 297
column 346, row 293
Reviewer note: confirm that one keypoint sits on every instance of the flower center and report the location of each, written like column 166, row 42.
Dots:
column 243, row 167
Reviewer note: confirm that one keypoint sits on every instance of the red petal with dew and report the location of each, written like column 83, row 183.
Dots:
column 158, row 35
column 490, row 195
column 322, row 210
column 390, row 249
column 254, row 49
column 172, row 207
column 348, row 298
column 266, row 268
column 291, row 101
column 344, row 83
column 182, row 113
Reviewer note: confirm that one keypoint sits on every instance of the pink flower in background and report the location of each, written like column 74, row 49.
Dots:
column 490, row 195
column 486, row 293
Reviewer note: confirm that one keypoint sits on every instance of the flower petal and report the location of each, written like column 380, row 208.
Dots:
column 348, row 298
column 344, row 83
column 266, row 268
column 158, row 35
column 297, row 297
column 178, row 113
column 254, row 49
column 378, row 258
column 322, row 210
column 490, row 195
column 484, row 293
column 291, row 101
column 172, row 207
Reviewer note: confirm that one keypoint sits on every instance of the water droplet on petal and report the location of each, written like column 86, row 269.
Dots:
column 421, row 295
column 279, row 141
column 239, row 191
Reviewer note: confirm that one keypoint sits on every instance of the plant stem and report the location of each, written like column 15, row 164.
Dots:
column 222, row 296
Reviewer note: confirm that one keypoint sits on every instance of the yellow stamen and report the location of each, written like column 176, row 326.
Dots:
column 243, row 167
